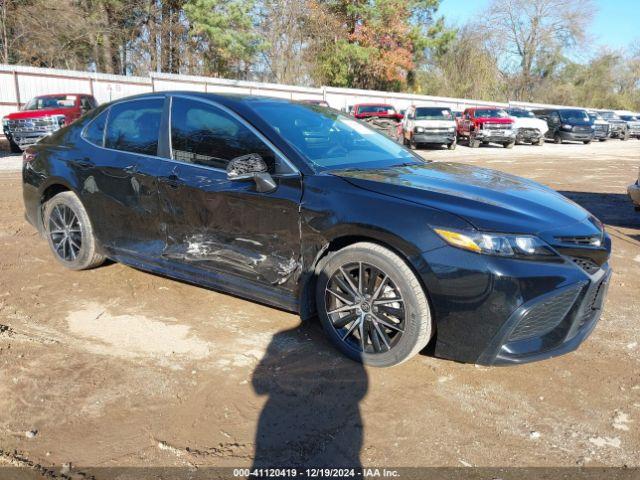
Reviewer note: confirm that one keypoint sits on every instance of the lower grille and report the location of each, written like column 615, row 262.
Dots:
column 593, row 302
column 544, row 316
column 586, row 264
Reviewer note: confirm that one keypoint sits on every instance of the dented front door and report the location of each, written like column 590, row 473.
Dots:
column 219, row 225
column 227, row 226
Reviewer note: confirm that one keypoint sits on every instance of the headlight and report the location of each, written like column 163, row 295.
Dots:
column 5, row 122
column 419, row 129
column 567, row 127
column 499, row 244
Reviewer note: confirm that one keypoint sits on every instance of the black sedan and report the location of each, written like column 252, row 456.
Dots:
column 307, row 209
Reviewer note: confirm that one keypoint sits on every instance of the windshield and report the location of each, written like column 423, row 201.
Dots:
column 574, row 116
column 331, row 140
column 491, row 113
column 594, row 116
column 628, row 118
column 376, row 109
column 521, row 113
column 426, row 113
column 57, row 101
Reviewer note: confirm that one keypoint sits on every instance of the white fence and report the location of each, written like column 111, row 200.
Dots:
column 19, row 84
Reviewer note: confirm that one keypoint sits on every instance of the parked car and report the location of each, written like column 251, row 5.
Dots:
column 428, row 125
column 567, row 124
column 230, row 192
column 601, row 128
column 619, row 128
column 633, row 122
column 529, row 129
column 485, row 125
column 364, row 111
column 634, row 192
column 42, row 116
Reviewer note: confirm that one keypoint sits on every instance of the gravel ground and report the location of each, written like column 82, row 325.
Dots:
column 117, row 367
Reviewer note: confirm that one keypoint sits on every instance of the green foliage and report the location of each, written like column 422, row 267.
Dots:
column 225, row 33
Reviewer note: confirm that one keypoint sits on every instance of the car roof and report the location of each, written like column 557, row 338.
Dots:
column 60, row 94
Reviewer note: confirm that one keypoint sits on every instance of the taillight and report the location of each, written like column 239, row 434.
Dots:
column 29, row 155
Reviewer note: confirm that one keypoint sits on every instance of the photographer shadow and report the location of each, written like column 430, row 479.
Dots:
column 312, row 414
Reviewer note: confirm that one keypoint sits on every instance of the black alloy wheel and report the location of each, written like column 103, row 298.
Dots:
column 65, row 232
column 365, row 307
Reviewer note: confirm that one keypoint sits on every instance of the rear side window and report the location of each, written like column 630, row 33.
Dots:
column 94, row 133
column 133, row 126
column 206, row 135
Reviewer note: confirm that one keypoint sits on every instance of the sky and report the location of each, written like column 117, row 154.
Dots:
column 616, row 23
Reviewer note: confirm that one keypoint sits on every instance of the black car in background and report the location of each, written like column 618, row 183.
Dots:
column 567, row 124
column 307, row 209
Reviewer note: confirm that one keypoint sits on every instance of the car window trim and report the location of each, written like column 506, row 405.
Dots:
column 294, row 170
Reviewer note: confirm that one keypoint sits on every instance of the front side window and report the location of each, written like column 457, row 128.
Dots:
column 206, row 135
column 94, row 132
column 134, row 125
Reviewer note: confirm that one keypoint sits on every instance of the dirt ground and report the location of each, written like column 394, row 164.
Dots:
column 117, row 367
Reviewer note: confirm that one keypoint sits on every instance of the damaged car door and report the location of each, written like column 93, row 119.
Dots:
column 230, row 200
column 121, row 162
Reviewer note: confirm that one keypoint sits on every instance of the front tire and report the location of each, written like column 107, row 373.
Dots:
column 452, row 145
column 69, row 232
column 372, row 306
column 557, row 139
column 509, row 144
column 586, row 142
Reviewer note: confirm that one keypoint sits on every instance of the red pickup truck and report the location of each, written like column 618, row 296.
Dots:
column 484, row 125
column 42, row 116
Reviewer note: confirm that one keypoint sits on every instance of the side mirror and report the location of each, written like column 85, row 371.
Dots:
column 251, row 167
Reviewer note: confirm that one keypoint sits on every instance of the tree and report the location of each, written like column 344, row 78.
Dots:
column 535, row 34
column 371, row 43
column 225, row 35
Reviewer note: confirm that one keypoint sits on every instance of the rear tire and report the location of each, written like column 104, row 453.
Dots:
column 452, row 145
column 586, row 142
column 602, row 139
column 625, row 136
column 557, row 139
column 355, row 290
column 509, row 144
column 474, row 143
column 540, row 142
column 70, row 233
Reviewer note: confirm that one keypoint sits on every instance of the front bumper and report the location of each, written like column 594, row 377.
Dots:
column 575, row 137
column 492, row 310
column 634, row 193
column 501, row 136
column 434, row 137
column 532, row 135
column 634, row 132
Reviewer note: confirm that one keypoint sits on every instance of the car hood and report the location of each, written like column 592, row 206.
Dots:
column 434, row 123
column 38, row 113
column 521, row 122
column 487, row 199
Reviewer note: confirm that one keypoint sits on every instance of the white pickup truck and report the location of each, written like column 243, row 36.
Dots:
column 428, row 125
